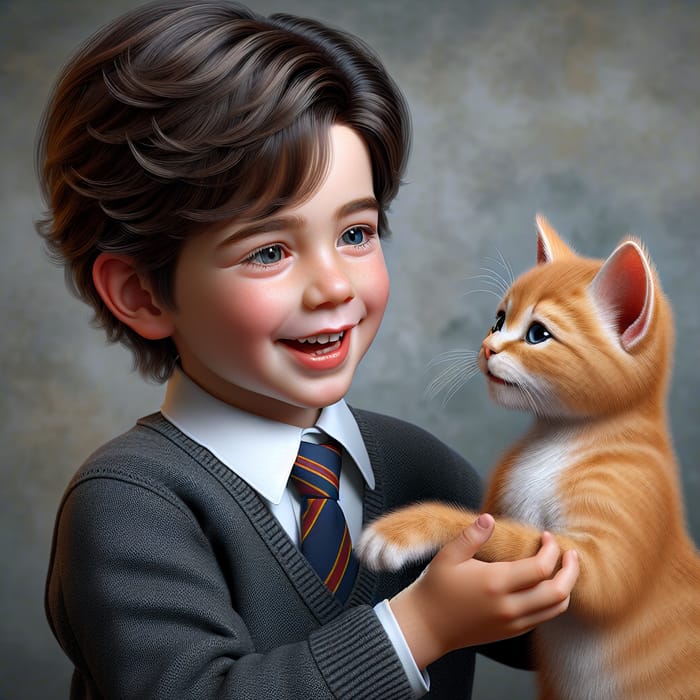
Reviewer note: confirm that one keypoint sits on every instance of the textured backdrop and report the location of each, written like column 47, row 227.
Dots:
column 586, row 111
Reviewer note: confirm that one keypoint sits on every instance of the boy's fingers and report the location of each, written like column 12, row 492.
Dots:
column 570, row 569
column 552, row 597
column 525, row 573
column 469, row 541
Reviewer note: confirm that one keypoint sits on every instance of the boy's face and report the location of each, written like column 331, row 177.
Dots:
column 274, row 316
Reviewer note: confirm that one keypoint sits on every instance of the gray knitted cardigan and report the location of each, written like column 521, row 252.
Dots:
column 169, row 578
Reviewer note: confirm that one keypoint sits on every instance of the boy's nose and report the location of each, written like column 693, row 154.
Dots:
column 328, row 284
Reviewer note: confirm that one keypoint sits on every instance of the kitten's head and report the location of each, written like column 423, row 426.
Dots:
column 576, row 337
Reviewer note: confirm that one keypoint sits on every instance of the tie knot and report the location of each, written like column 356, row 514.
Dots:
column 316, row 470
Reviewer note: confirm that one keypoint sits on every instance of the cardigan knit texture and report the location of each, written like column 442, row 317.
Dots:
column 169, row 577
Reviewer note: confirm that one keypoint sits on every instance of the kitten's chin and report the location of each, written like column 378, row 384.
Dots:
column 509, row 397
column 513, row 397
column 516, row 399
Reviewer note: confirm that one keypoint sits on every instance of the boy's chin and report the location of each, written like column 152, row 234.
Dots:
column 318, row 400
column 300, row 408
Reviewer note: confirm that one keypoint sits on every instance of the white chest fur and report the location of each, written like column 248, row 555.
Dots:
column 574, row 656
column 573, row 653
column 532, row 492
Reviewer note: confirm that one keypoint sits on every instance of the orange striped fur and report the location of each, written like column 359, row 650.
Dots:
column 597, row 469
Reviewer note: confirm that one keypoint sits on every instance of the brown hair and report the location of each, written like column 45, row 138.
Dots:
column 180, row 114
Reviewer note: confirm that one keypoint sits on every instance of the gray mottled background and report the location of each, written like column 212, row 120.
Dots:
column 587, row 111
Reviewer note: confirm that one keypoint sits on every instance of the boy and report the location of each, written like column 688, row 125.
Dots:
column 218, row 184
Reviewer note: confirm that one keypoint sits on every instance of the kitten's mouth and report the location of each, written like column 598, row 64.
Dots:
column 497, row 380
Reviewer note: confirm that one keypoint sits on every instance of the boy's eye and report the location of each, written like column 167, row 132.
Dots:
column 356, row 235
column 269, row 255
column 500, row 320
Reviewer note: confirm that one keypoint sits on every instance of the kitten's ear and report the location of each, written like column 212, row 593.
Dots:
column 624, row 288
column 550, row 246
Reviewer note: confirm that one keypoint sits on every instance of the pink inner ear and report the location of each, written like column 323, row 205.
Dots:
column 542, row 256
column 623, row 286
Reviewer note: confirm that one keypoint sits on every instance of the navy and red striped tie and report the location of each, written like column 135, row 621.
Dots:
column 325, row 540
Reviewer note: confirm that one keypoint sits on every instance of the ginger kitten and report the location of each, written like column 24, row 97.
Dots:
column 586, row 347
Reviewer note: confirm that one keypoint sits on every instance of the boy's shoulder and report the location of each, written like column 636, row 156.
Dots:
column 409, row 462
column 146, row 438
column 414, row 463
column 152, row 453
column 389, row 434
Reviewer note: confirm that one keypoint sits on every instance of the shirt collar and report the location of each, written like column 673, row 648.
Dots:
column 259, row 450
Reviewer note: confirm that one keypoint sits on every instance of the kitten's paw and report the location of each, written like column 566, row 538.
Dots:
column 410, row 535
column 380, row 553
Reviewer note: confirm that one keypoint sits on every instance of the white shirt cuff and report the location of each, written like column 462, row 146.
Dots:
column 419, row 680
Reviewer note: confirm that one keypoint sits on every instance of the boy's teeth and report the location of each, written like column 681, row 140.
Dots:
column 330, row 338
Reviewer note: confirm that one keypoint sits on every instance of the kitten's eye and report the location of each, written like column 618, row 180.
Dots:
column 537, row 333
column 500, row 320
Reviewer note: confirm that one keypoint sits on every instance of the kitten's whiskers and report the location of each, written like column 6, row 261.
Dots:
column 496, row 282
column 534, row 396
column 460, row 367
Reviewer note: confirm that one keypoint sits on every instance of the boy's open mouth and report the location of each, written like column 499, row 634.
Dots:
column 317, row 344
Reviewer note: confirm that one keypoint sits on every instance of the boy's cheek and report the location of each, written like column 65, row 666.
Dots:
column 377, row 286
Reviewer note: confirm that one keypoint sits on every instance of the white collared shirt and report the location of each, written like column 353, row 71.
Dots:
column 243, row 441
column 262, row 453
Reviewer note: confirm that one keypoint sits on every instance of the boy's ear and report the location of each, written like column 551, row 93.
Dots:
column 129, row 297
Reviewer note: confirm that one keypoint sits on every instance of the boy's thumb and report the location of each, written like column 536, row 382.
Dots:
column 470, row 540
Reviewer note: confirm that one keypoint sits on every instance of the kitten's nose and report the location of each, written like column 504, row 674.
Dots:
column 487, row 352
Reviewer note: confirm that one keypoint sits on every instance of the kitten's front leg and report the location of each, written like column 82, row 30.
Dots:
column 411, row 534
column 510, row 541
column 415, row 533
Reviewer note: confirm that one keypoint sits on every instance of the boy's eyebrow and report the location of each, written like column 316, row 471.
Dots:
column 280, row 223
column 356, row 205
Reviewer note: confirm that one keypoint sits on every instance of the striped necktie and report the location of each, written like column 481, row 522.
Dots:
column 325, row 540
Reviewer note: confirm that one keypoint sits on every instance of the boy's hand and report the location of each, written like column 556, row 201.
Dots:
column 460, row 601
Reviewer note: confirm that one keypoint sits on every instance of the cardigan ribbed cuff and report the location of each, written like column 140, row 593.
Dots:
column 357, row 658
